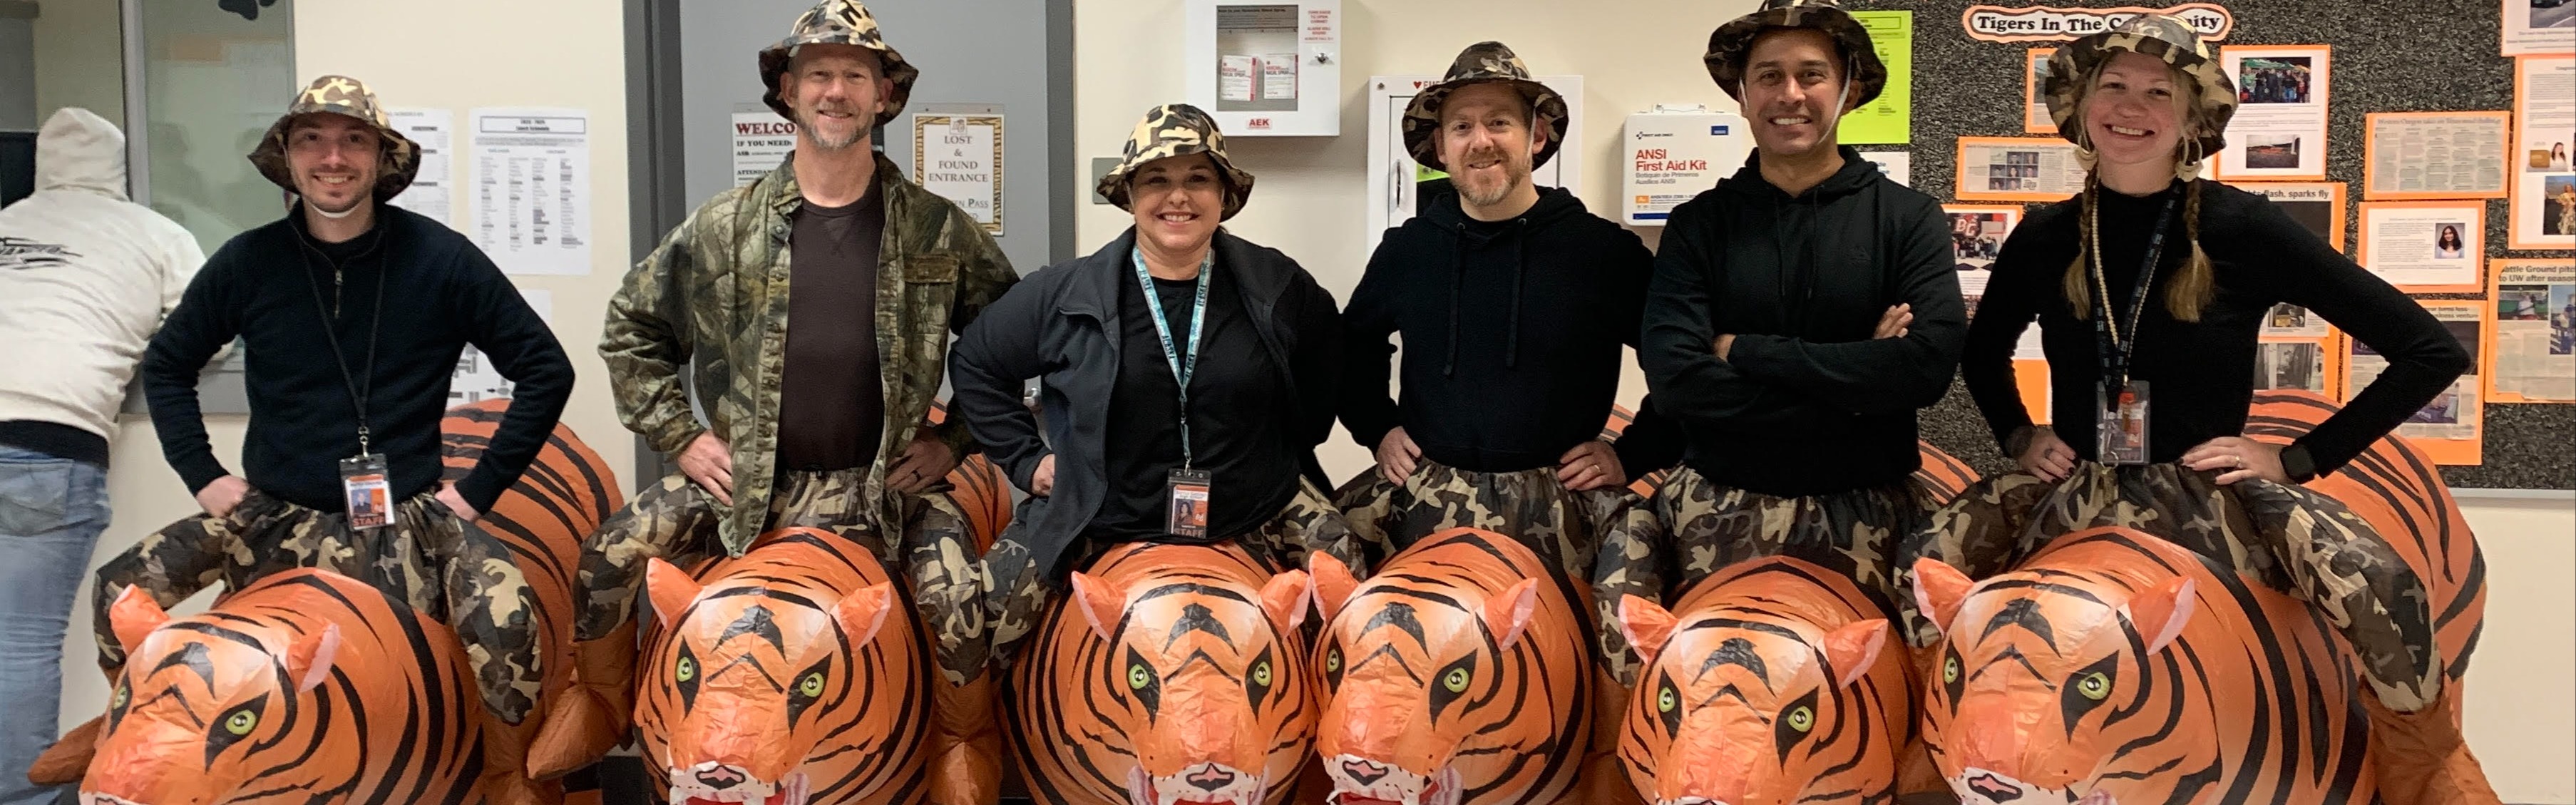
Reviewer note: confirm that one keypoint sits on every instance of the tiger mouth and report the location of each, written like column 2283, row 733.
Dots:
column 1977, row 786
column 105, row 799
column 713, row 783
column 1361, row 781
column 1206, row 783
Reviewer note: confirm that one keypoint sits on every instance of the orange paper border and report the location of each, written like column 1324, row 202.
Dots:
column 2324, row 55
column 2447, row 452
column 2032, row 102
column 2513, row 162
column 1959, row 174
column 2032, row 379
column 2342, row 224
column 2477, row 213
column 2370, row 157
column 2487, row 337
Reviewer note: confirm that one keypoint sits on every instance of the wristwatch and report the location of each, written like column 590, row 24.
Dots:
column 2297, row 464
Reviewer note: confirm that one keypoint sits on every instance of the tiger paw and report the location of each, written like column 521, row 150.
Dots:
column 576, row 734
column 67, row 761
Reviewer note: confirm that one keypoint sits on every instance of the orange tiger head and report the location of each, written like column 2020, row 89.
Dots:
column 1458, row 675
column 2055, row 682
column 1207, row 678
column 789, row 674
column 216, row 692
column 1768, row 687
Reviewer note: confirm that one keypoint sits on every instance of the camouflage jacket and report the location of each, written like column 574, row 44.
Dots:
column 716, row 290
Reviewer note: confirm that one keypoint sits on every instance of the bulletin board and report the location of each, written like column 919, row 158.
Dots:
column 2410, row 57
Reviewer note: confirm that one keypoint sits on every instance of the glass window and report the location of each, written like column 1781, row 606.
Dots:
column 216, row 73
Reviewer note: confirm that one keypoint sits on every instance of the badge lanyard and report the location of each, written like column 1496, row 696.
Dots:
column 1185, row 490
column 2113, row 347
column 365, row 478
column 1183, row 363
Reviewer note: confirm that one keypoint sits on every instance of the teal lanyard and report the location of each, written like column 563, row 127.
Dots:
column 1183, row 365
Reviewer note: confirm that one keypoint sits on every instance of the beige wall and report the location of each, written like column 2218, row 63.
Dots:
column 78, row 58
column 554, row 53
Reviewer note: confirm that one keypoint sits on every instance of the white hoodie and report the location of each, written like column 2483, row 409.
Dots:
column 85, row 277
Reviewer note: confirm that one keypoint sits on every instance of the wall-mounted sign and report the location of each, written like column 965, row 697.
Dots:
column 2053, row 24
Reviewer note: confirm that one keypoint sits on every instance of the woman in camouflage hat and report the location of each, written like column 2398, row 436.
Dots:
column 2148, row 321
column 1174, row 296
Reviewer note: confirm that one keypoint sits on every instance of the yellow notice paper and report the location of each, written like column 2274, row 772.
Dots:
column 1890, row 119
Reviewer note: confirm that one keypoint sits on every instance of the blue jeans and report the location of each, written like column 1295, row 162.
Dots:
column 51, row 512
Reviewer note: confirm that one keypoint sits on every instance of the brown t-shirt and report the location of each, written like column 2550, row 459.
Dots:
column 831, row 401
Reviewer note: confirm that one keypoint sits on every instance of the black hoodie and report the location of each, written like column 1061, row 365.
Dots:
column 1805, row 403
column 1512, row 332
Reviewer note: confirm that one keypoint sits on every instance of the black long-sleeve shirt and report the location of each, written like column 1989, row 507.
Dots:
column 2199, row 375
column 1513, row 333
column 440, row 293
column 1805, row 402
column 1239, row 414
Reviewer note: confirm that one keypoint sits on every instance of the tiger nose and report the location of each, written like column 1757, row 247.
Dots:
column 1212, row 778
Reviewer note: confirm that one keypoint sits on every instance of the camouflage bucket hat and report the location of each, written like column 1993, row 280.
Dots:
column 1732, row 44
column 1481, row 63
column 1174, row 130
column 2168, row 39
column 836, row 22
column 344, row 96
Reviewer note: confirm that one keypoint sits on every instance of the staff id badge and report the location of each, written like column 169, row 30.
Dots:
column 2120, row 431
column 369, row 488
column 1186, row 501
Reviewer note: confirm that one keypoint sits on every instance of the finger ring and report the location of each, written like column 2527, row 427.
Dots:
column 2240, row 462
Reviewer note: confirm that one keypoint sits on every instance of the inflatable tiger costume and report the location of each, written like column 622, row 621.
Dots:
column 1457, row 676
column 1172, row 674
column 792, row 674
column 306, row 687
column 1774, row 681
column 2116, row 667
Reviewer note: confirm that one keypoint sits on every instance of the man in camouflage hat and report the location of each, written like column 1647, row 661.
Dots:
column 355, row 312
column 815, row 303
column 1803, row 311
column 1516, row 306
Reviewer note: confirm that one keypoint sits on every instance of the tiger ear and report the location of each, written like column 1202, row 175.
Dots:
column 1647, row 626
column 1284, row 597
column 861, row 614
column 309, row 658
column 1938, row 591
column 671, row 590
column 1509, row 614
column 1851, row 650
column 133, row 615
column 2159, row 614
column 1331, row 581
column 1101, row 602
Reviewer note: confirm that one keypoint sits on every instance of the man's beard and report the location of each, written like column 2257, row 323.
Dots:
column 1513, row 178
column 805, row 122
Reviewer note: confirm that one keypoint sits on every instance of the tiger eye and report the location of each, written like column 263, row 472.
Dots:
column 1802, row 719
column 1666, row 701
column 812, row 686
column 241, row 723
column 688, row 670
column 1950, row 670
column 1261, row 674
column 1456, row 680
column 1139, row 676
column 2095, row 686
column 1332, row 660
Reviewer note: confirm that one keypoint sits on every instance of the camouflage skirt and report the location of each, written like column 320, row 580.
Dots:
column 2285, row 537
column 1019, row 590
column 1856, row 533
column 676, row 521
column 1601, row 537
column 440, row 565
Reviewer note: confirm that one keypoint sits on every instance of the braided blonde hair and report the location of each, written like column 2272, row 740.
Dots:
column 2191, row 288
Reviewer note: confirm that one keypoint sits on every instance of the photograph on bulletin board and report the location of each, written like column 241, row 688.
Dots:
column 2425, row 246
column 2318, row 206
column 2296, row 364
column 2544, row 154
column 2450, row 428
column 2279, row 130
column 2539, row 27
column 2531, row 340
column 1977, row 234
column 2034, row 102
column 2434, row 155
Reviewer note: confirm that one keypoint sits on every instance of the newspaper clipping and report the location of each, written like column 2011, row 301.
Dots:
column 2446, row 429
column 2535, row 332
column 2279, row 131
column 2293, row 365
column 2538, row 26
column 2435, row 155
column 2018, row 169
column 2315, row 205
column 2544, row 188
column 2425, row 246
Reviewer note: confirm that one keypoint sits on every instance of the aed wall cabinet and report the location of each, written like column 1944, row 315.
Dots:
column 1266, row 69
